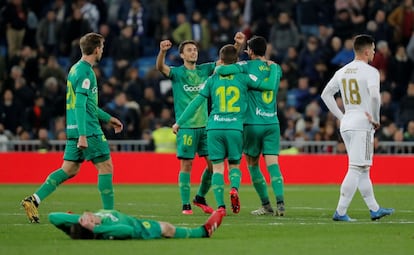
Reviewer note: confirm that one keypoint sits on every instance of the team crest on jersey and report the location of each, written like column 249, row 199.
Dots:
column 86, row 84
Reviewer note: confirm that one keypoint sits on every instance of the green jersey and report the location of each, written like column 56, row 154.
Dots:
column 114, row 225
column 82, row 118
column 262, row 105
column 186, row 85
column 228, row 95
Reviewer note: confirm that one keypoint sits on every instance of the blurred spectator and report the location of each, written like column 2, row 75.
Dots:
column 343, row 25
column 31, row 28
column 410, row 48
column 308, row 14
column 379, row 28
column 330, row 51
column 37, row 117
column 106, row 93
column 52, row 69
column 147, row 136
column 54, row 94
column 23, row 94
column 134, row 85
column 15, row 18
column 43, row 137
column 310, row 121
column 4, row 139
column 28, row 60
column 118, row 108
column 163, row 30
column 400, row 69
column 90, row 13
column 283, row 34
column 150, row 104
column 290, row 73
column 133, row 14
column 406, row 112
column 308, row 57
column 382, row 56
column 345, row 55
column 401, row 19
column 409, row 132
column 224, row 33
column 385, row 5
column 299, row 97
column 388, row 110
column 62, row 9
column 387, row 131
column 125, row 52
column 165, row 140
column 72, row 29
column 11, row 112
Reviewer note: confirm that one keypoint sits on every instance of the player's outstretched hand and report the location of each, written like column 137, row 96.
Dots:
column 375, row 125
column 82, row 142
column 116, row 124
column 240, row 38
column 175, row 128
column 165, row 45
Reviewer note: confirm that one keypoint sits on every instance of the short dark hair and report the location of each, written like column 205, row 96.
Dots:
column 362, row 41
column 184, row 43
column 229, row 54
column 89, row 42
column 258, row 45
column 79, row 232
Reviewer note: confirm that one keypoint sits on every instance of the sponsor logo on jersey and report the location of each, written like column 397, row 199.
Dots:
column 86, row 84
column 72, row 126
column 259, row 112
column 196, row 88
column 224, row 119
column 95, row 90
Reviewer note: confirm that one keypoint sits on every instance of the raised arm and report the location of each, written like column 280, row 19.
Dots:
column 161, row 66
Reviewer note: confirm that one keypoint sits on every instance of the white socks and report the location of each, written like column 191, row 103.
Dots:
column 356, row 177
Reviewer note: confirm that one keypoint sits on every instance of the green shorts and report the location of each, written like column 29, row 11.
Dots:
column 261, row 139
column 224, row 144
column 191, row 141
column 97, row 151
column 150, row 230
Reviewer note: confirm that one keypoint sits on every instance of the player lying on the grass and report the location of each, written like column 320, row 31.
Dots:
column 111, row 224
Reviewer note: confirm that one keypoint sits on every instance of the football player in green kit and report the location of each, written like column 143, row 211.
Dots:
column 85, row 139
column 187, row 80
column 111, row 224
column 229, row 98
column 261, row 128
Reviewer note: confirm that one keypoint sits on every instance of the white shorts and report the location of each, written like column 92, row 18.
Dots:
column 359, row 145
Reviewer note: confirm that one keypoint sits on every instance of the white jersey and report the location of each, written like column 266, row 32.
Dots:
column 358, row 83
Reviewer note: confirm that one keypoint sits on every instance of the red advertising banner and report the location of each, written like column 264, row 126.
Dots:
column 152, row 168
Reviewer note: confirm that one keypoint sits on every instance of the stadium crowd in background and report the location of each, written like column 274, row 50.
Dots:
column 310, row 39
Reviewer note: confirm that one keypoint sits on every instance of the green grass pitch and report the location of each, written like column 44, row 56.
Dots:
column 307, row 227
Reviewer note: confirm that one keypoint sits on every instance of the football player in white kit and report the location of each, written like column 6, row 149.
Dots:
column 358, row 83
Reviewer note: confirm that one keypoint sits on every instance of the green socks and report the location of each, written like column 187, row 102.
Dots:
column 218, row 188
column 205, row 183
column 259, row 183
column 235, row 178
column 106, row 190
column 53, row 180
column 276, row 180
column 181, row 232
column 184, row 185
